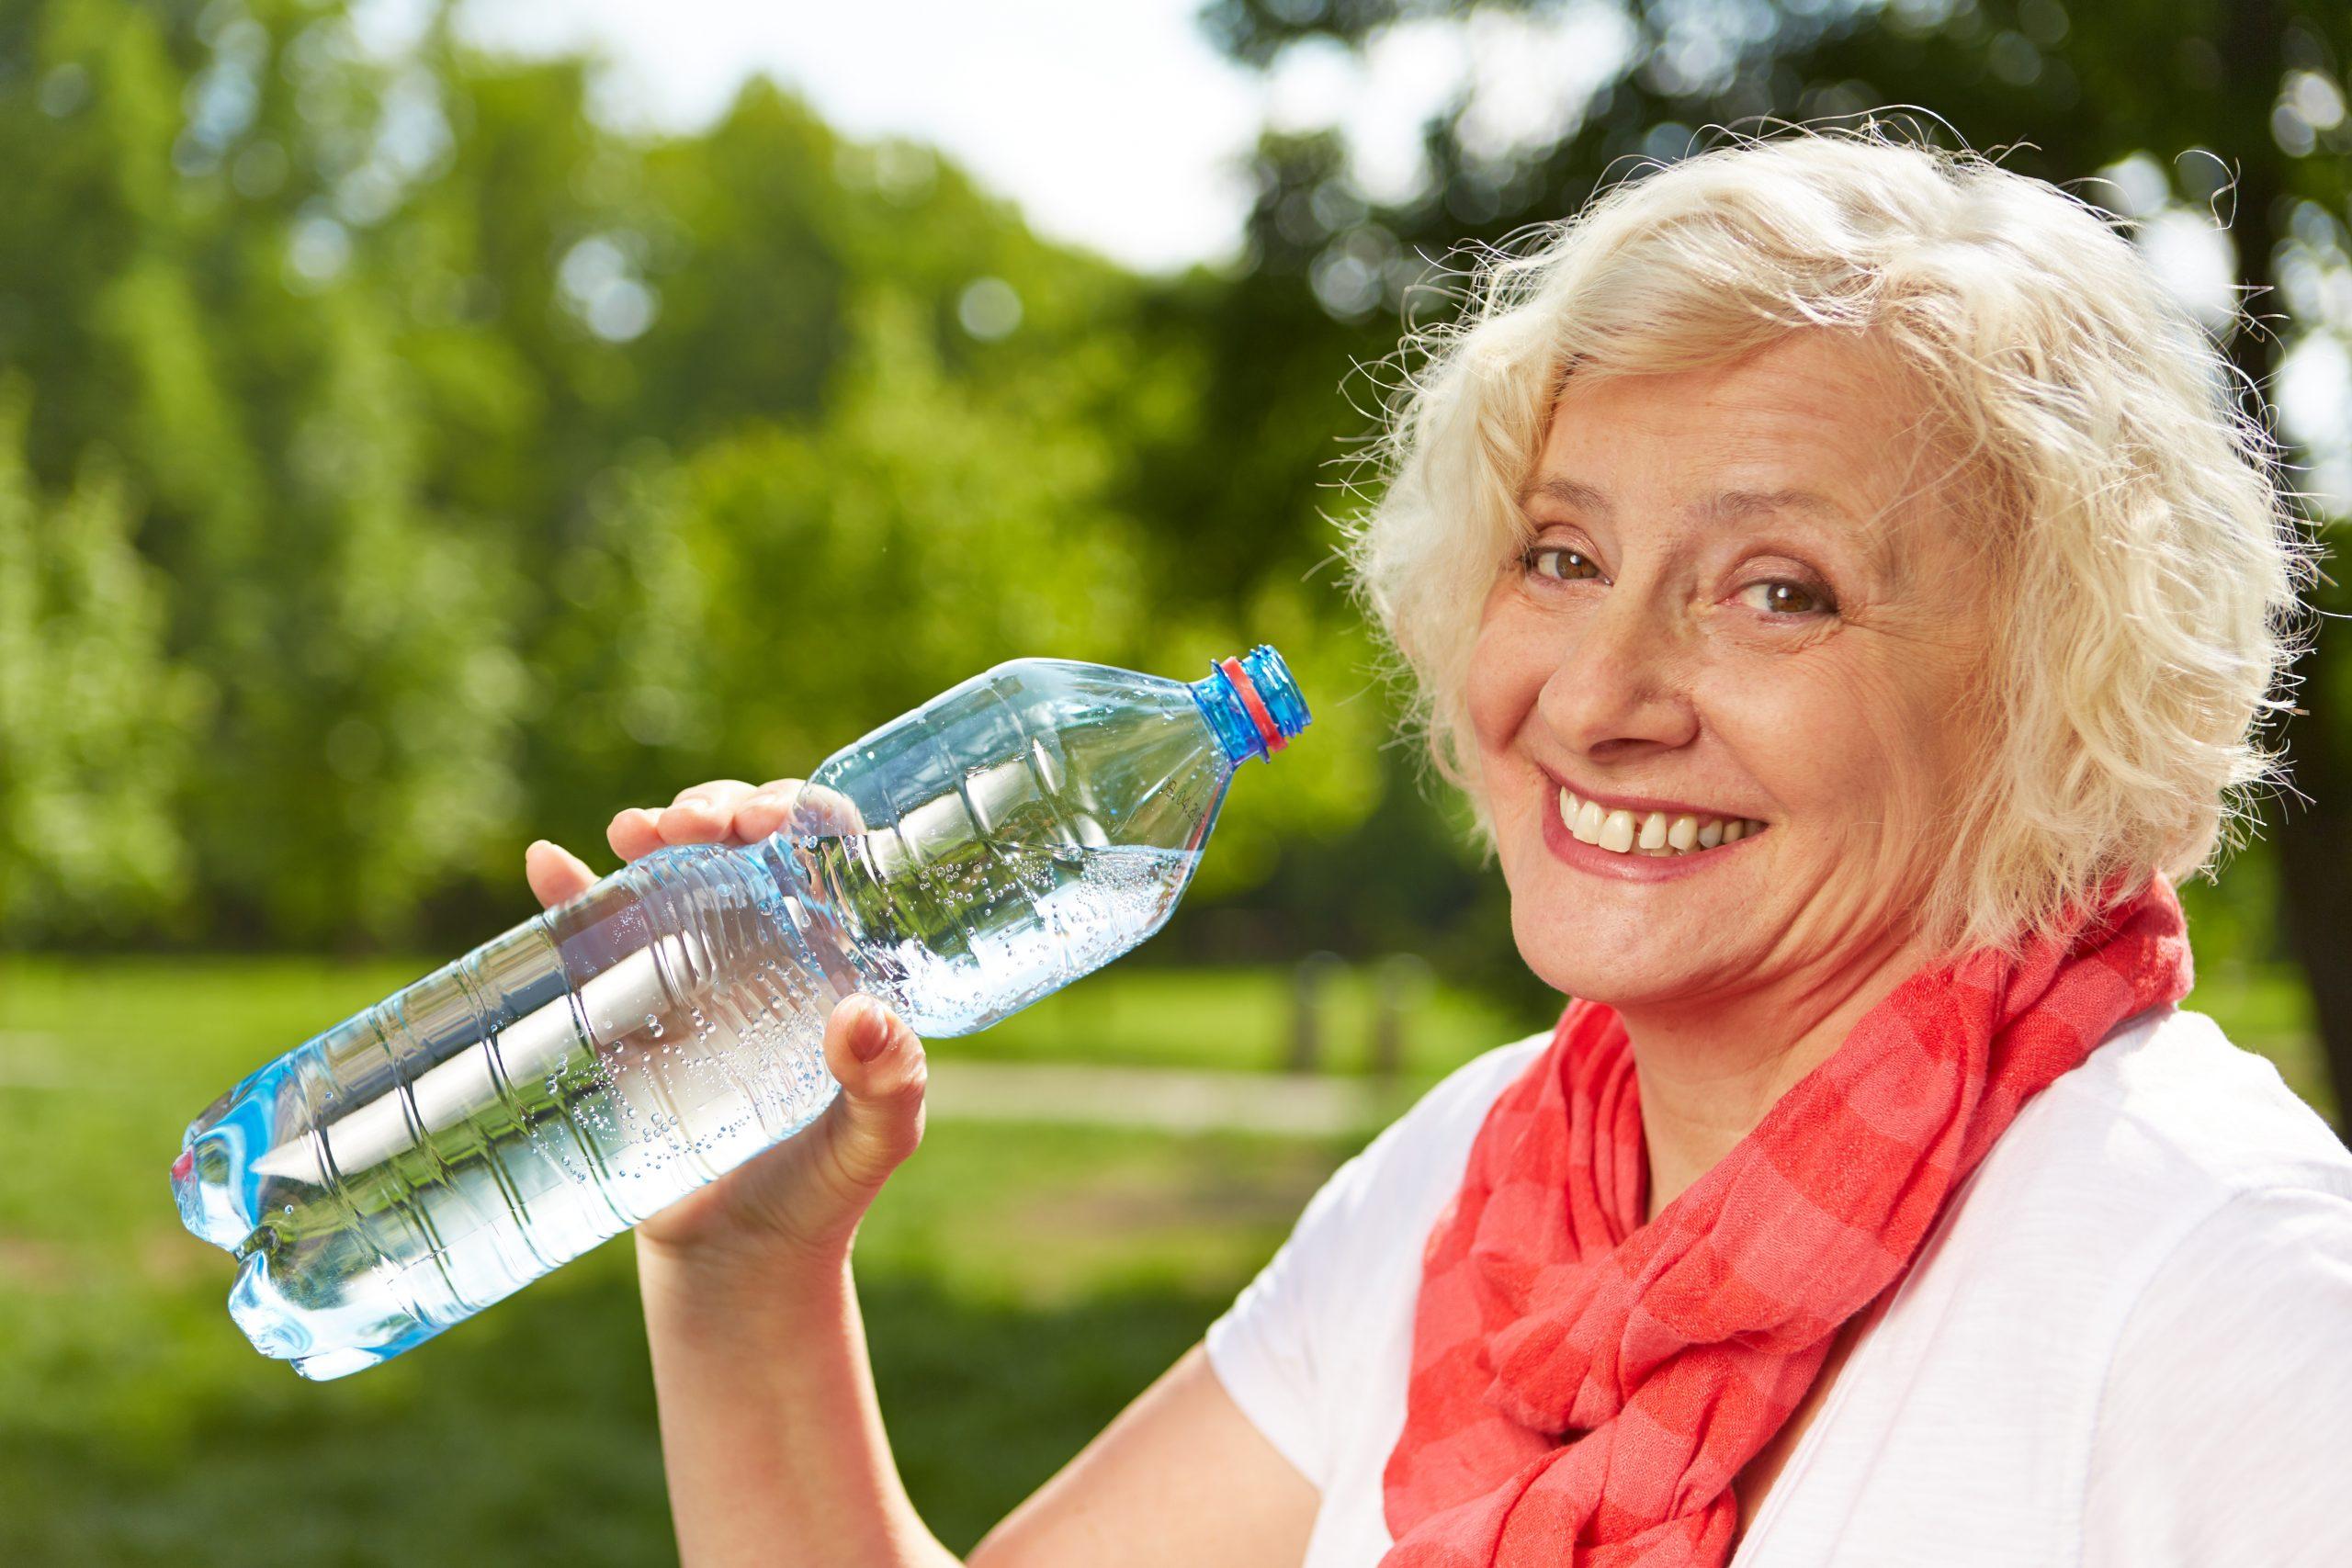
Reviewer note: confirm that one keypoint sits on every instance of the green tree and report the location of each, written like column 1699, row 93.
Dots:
column 500, row 468
column 94, row 715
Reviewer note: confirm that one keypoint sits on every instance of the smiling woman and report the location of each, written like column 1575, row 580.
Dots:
column 1845, row 587
column 1847, row 592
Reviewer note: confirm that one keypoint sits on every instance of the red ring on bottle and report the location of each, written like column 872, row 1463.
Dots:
column 1268, row 731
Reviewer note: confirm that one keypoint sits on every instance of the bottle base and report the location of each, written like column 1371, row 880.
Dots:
column 332, row 1364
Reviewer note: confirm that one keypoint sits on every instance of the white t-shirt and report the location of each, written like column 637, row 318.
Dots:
column 2126, row 1344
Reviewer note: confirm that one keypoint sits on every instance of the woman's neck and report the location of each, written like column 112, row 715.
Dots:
column 1710, row 1072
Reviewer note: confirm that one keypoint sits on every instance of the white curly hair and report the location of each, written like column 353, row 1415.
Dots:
column 2146, row 558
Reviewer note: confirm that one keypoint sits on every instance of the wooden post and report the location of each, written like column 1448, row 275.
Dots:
column 1309, row 983
column 1403, row 981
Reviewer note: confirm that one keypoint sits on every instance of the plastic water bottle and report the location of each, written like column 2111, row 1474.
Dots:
column 495, row 1120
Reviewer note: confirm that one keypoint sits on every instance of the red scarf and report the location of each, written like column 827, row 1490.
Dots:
column 1585, row 1386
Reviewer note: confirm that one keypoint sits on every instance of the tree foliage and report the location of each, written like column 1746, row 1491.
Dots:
column 494, row 469
column 94, row 718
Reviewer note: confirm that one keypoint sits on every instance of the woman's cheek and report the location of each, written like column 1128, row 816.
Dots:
column 1503, row 682
column 1777, row 728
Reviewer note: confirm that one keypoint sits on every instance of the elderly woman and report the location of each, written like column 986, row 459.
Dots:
column 1843, row 583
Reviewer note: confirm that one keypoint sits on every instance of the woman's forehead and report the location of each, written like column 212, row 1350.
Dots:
column 1805, row 398
column 1810, row 439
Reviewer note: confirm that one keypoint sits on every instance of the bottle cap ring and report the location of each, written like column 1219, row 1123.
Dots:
column 1268, row 731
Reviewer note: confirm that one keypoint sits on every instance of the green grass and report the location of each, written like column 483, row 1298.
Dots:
column 1244, row 1020
column 1021, row 1284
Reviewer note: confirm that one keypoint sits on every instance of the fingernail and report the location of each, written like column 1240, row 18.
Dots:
column 873, row 1031
column 534, row 844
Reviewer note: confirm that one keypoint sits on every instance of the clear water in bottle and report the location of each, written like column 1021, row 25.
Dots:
column 482, row 1127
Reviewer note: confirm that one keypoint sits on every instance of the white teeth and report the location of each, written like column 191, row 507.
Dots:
column 1649, row 833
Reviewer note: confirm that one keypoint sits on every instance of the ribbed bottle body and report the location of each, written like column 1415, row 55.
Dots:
column 495, row 1120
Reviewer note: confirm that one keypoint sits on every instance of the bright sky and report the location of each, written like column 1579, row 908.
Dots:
column 1115, row 125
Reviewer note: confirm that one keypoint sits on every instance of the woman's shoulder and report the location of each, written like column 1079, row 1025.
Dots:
column 1367, row 1220
column 2129, row 1306
column 2115, row 1343
column 1417, row 1160
column 1313, row 1349
column 2166, row 1141
column 2170, row 1102
column 1469, row 1090
column 2224, row 1401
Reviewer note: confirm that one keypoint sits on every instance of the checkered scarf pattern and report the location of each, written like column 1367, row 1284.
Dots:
column 1586, row 1386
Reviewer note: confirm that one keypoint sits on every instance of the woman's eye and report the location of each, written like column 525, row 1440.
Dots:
column 1790, row 600
column 1556, row 561
column 1784, row 598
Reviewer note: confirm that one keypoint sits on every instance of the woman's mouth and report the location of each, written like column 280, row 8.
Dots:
column 1655, row 834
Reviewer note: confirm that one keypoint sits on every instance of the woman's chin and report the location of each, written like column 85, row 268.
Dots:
column 1601, row 974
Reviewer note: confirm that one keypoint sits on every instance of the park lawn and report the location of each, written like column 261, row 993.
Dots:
column 1240, row 1019
column 1020, row 1283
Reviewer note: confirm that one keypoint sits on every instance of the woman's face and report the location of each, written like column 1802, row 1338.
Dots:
column 1703, row 618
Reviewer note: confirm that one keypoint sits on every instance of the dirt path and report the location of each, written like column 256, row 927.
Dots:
column 1168, row 1099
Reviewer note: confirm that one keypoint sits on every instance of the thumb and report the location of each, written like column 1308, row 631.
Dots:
column 879, row 1062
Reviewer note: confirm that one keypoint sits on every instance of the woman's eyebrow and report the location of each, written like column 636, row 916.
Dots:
column 1725, row 505
column 1568, row 492
column 1753, row 502
column 1875, row 535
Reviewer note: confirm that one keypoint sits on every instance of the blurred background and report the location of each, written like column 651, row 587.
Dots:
column 427, row 428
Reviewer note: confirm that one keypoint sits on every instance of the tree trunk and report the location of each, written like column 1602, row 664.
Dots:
column 2314, row 839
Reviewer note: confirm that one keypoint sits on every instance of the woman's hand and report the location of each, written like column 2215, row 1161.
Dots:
column 796, row 1206
column 771, row 1434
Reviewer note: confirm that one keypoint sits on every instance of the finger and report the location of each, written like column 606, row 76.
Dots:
column 702, row 813
column 708, row 789
column 554, row 874
column 880, row 1064
column 635, row 833
column 765, row 809
column 829, row 811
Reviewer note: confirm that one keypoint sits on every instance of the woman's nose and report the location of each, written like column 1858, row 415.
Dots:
column 1622, row 675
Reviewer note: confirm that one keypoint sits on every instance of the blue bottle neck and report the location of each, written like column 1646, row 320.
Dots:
column 1239, row 729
